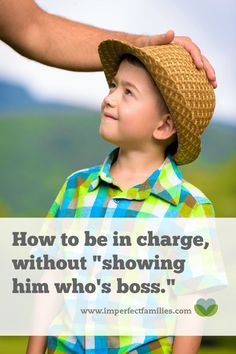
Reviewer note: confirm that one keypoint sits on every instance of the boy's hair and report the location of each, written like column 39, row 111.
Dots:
column 171, row 143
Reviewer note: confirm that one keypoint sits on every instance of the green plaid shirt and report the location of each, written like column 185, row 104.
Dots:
column 93, row 193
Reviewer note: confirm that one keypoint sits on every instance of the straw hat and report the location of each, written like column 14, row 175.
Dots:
column 185, row 89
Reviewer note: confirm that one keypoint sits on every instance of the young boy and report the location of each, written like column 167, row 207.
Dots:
column 157, row 107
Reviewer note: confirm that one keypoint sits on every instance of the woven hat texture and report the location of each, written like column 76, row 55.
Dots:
column 185, row 89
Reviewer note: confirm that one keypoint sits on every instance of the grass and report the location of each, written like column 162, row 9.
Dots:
column 13, row 345
column 215, row 350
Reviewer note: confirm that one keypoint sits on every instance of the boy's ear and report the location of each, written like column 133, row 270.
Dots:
column 165, row 128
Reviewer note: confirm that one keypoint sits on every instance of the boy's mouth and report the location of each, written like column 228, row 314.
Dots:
column 109, row 115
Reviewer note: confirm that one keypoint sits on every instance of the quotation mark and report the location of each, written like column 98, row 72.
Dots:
column 170, row 281
column 97, row 258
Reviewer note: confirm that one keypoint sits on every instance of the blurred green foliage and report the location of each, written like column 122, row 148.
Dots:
column 217, row 181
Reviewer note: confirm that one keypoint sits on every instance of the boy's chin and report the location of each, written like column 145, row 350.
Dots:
column 108, row 138
column 114, row 140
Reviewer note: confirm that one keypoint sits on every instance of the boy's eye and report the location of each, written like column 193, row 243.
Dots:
column 128, row 92
column 112, row 85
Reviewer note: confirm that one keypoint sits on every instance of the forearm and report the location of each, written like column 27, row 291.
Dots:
column 37, row 345
column 186, row 344
column 69, row 45
column 53, row 40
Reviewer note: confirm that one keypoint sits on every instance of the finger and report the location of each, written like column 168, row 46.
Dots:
column 214, row 84
column 196, row 55
column 210, row 72
column 192, row 48
column 157, row 39
column 164, row 38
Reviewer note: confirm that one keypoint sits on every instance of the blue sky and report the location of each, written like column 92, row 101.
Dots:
column 210, row 23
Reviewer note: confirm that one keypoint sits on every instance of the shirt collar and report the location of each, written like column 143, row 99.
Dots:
column 165, row 182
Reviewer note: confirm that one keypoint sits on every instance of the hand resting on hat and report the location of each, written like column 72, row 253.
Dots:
column 58, row 42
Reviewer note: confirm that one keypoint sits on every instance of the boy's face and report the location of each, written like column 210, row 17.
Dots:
column 130, row 112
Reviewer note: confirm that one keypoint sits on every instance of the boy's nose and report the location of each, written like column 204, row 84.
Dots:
column 110, row 100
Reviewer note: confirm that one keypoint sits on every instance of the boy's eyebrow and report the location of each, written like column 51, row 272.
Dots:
column 126, row 83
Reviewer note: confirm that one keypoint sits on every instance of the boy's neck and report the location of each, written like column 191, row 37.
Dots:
column 135, row 166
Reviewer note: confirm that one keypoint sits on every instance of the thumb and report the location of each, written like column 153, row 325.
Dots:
column 164, row 38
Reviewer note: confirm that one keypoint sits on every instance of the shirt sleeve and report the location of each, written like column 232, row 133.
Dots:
column 48, row 227
column 204, row 267
column 53, row 211
column 205, row 210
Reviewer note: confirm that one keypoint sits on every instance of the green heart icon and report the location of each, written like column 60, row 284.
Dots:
column 206, row 307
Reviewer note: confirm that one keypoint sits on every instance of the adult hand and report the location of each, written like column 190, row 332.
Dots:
column 199, row 59
column 44, row 37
